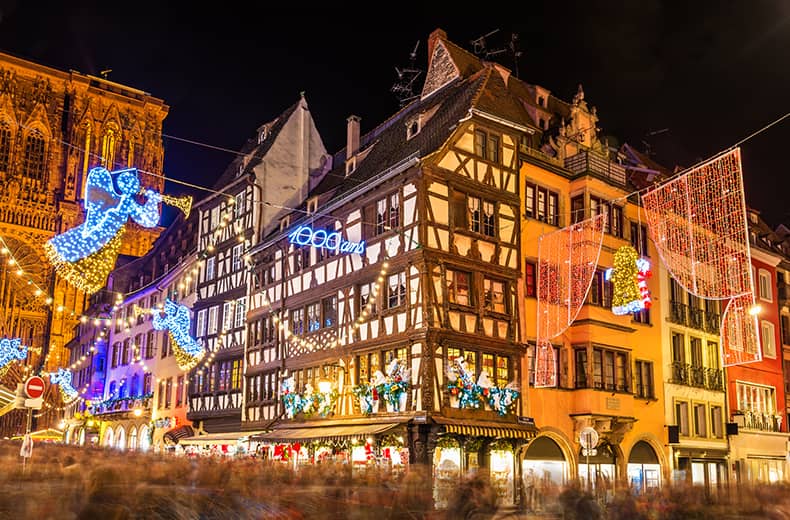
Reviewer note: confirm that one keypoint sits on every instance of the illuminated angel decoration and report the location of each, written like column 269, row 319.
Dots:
column 86, row 254
column 10, row 349
column 62, row 378
column 174, row 318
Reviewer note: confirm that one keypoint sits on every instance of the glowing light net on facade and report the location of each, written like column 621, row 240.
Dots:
column 698, row 224
column 567, row 259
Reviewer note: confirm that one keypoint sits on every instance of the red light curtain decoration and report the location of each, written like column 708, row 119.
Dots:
column 698, row 224
column 567, row 259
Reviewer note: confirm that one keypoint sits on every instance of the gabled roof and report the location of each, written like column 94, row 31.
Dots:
column 257, row 151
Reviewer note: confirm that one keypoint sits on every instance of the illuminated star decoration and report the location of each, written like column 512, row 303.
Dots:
column 62, row 378
column 567, row 259
column 175, row 319
column 698, row 224
column 85, row 255
column 10, row 349
column 629, row 280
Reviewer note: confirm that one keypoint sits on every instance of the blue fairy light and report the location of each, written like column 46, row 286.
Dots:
column 62, row 378
column 175, row 319
column 85, row 255
column 10, row 349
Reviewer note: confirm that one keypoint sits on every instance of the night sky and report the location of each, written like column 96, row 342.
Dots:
column 686, row 80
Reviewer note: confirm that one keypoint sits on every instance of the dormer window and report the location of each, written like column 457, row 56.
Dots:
column 240, row 169
column 541, row 101
column 753, row 218
column 285, row 222
column 412, row 128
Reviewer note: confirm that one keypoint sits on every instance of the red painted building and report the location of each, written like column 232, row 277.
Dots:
column 755, row 391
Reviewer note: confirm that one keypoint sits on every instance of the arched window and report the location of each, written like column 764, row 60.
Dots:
column 5, row 146
column 108, row 148
column 35, row 156
column 113, row 389
column 134, row 391
column 131, row 152
column 86, row 152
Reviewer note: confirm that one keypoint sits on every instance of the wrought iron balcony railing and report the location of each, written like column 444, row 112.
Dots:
column 697, row 376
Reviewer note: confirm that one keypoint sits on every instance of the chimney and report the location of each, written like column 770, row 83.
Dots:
column 352, row 136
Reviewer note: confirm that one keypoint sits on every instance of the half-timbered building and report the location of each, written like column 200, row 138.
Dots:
column 273, row 171
column 383, row 313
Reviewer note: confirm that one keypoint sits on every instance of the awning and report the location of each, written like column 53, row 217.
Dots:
column 217, row 438
column 325, row 433
column 487, row 429
column 173, row 435
column 50, row 434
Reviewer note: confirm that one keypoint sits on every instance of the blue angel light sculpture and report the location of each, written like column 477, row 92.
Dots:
column 62, row 378
column 10, row 349
column 85, row 255
column 174, row 318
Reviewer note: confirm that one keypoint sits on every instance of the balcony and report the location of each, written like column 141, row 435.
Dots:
column 123, row 404
column 694, row 317
column 764, row 422
column 696, row 376
column 586, row 162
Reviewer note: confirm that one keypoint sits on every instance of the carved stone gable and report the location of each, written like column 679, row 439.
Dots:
column 441, row 70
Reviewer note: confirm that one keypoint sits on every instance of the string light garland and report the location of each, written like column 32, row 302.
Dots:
column 175, row 319
column 698, row 224
column 629, row 281
column 567, row 259
column 10, row 350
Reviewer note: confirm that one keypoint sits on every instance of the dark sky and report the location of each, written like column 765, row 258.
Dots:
column 709, row 72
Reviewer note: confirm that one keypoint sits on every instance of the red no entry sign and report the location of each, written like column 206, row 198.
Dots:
column 34, row 387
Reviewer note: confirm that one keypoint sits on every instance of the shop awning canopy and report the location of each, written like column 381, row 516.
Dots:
column 174, row 435
column 325, row 433
column 487, row 429
column 50, row 434
column 217, row 438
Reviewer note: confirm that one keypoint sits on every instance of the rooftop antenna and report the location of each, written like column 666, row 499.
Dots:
column 105, row 73
column 404, row 87
column 479, row 44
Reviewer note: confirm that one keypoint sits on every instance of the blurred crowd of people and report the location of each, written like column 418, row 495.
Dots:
column 67, row 482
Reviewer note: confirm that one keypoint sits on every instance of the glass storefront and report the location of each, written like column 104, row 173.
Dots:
column 544, row 472
column 644, row 470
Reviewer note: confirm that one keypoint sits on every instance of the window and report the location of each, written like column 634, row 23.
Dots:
column 531, row 364
column 200, row 323
column 147, row 383
column 713, row 355
column 716, row 422
column 682, row 417
column 643, row 377
column 609, row 369
column 639, row 238
column 116, row 352
column 169, row 392
column 642, row 316
column 755, row 398
column 212, row 320
column 160, row 398
column 600, row 290
column 577, row 209
column 227, row 316
column 458, row 287
column 297, row 321
column 530, row 277
column 150, row 339
column 487, row 146
column 494, row 295
column 180, row 391
column 700, row 420
column 329, row 311
column 541, row 204
column 34, row 166
column 396, row 290
column 785, row 327
column 384, row 216
column 480, row 216
column 5, row 146
column 241, row 203
column 412, row 128
column 240, row 313
column 210, row 268
column 678, row 348
column 214, row 217
column 301, row 259
column 765, row 285
column 768, row 337
column 237, row 255
column 499, row 367
column 696, row 351
column 235, row 375
column 313, row 317
column 126, row 355
column 367, row 298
